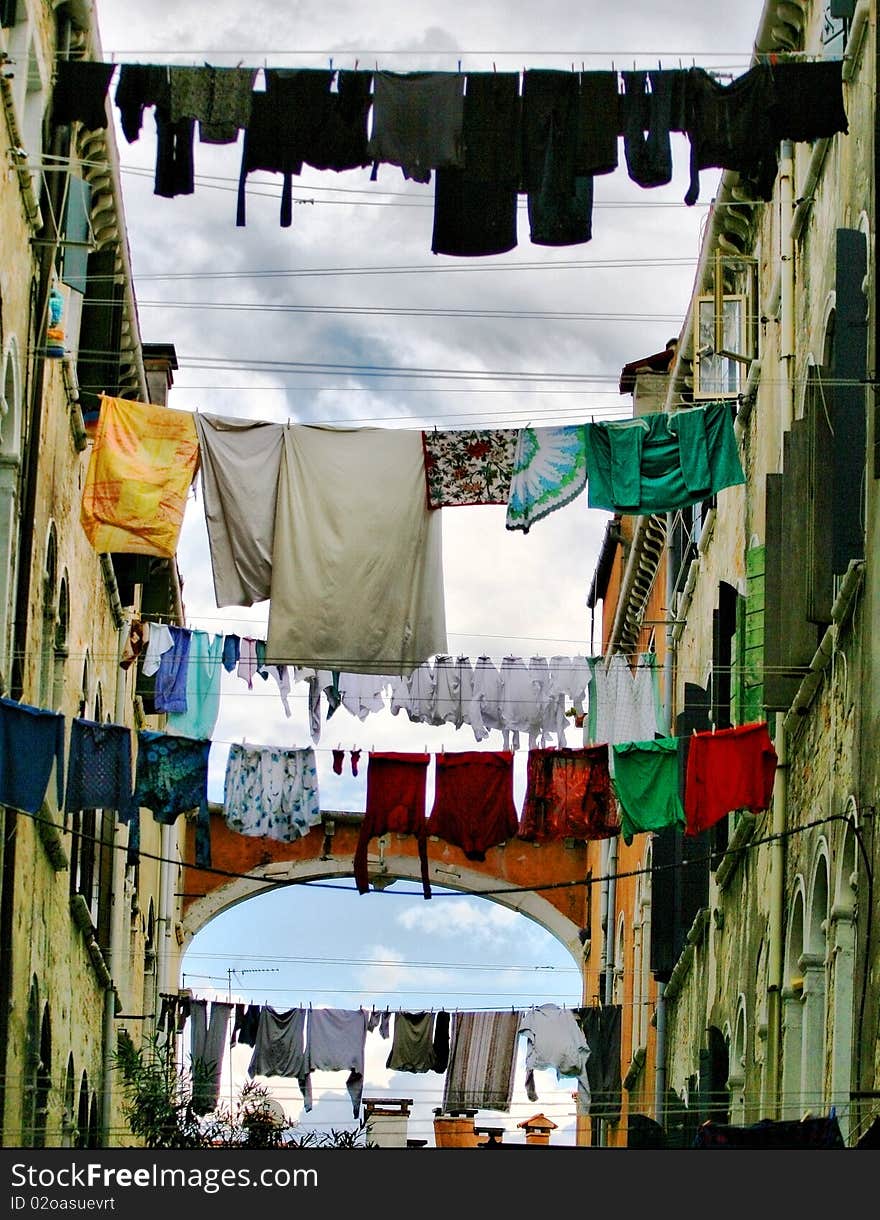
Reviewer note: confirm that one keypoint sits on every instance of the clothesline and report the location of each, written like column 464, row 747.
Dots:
column 338, row 527
column 580, row 793
column 476, row 1049
column 487, row 137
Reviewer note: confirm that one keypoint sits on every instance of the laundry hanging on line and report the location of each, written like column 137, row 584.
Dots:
column 564, row 130
column 348, row 511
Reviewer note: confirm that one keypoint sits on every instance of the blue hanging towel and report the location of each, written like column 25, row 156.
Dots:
column 31, row 740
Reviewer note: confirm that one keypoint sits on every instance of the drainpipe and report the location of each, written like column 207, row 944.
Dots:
column 776, row 930
column 117, row 930
column 660, row 1056
column 786, row 292
column 671, row 615
column 610, row 870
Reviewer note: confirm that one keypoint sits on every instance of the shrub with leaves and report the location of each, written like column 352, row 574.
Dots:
column 159, row 1110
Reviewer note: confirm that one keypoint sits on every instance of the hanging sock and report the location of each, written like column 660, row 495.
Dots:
column 355, row 759
column 338, row 756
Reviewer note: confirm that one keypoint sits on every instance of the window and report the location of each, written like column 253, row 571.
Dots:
column 47, row 646
column 719, row 355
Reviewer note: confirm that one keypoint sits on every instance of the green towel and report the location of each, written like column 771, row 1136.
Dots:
column 646, row 783
column 684, row 458
column 626, row 460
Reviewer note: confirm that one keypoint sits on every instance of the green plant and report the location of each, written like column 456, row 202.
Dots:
column 159, row 1111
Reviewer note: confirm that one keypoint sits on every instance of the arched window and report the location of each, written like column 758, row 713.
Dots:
column 94, row 1136
column 31, row 1067
column 714, row 1074
column 792, row 1009
column 37, row 1071
column 50, row 593
column 814, row 970
column 736, row 1077
column 619, row 962
column 44, row 1081
column 60, row 645
column 843, row 1018
column 84, row 876
column 68, row 1117
column 10, row 464
column 82, row 1112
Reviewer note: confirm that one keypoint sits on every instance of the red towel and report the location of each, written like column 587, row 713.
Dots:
column 395, row 803
column 473, row 800
column 726, row 770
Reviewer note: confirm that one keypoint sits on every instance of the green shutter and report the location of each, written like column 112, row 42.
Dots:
column 749, row 686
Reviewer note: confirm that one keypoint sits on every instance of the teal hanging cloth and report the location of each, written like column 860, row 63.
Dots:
column 646, row 785
column 660, row 463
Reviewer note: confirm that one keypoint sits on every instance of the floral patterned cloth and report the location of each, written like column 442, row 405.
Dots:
column 171, row 778
column 549, row 470
column 469, row 467
column 271, row 791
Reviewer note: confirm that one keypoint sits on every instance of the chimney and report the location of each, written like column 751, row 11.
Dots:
column 159, row 361
column 386, row 1121
column 537, row 1129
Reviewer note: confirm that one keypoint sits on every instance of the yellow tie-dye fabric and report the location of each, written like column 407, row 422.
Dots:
column 142, row 464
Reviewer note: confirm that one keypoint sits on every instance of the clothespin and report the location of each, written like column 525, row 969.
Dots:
column 459, row 65
column 331, row 63
column 356, row 62
column 494, row 69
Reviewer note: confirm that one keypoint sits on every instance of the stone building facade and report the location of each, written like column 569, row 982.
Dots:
column 87, row 941
column 765, row 959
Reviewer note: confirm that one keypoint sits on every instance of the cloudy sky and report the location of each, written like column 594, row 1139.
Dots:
column 347, row 317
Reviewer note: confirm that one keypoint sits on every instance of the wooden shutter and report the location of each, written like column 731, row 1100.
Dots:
column 97, row 366
column 849, row 370
column 749, row 687
column 818, row 413
column 790, row 639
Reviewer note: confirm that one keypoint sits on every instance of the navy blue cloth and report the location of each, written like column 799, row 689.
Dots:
column 80, row 92
column 231, row 652
column 171, row 778
column 31, row 740
column 170, row 690
column 98, row 766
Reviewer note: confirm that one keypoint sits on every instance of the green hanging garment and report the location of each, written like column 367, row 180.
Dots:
column 659, row 463
column 646, row 783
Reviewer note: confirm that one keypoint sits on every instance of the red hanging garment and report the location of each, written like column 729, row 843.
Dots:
column 395, row 803
column 727, row 770
column 473, row 800
column 569, row 795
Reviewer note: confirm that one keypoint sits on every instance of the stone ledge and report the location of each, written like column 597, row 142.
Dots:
column 745, row 828
column 50, row 836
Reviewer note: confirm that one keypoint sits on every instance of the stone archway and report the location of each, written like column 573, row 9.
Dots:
column 511, row 875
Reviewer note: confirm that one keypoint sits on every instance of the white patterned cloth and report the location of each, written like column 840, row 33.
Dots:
column 270, row 791
column 549, row 471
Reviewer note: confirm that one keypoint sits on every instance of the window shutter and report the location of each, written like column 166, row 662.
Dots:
column 849, row 369
column 75, row 262
column 97, row 367
column 818, row 413
column 750, row 641
column 790, row 639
